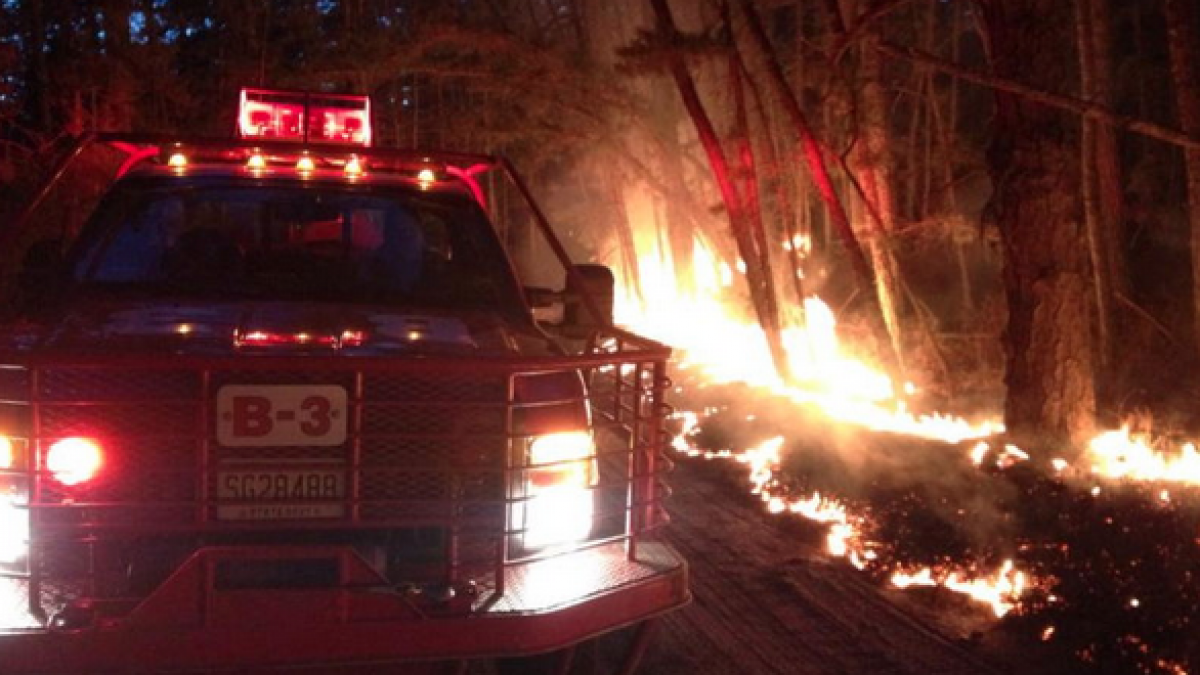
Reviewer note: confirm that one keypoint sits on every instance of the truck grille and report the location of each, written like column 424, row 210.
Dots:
column 431, row 462
column 421, row 438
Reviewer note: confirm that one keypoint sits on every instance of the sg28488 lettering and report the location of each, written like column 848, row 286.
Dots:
column 280, row 485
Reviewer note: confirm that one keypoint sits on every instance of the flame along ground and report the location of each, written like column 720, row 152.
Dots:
column 725, row 347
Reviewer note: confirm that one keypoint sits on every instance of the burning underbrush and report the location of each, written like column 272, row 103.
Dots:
column 1088, row 565
column 1090, row 574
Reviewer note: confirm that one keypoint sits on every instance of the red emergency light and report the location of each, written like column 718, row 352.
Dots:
column 304, row 117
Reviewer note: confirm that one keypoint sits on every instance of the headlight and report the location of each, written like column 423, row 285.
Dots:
column 561, row 460
column 14, row 528
column 558, row 486
column 14, row 503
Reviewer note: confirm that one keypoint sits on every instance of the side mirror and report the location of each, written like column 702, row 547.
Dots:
column 589, row 282
column 547, row 305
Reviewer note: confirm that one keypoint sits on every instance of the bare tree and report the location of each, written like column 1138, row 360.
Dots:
column 814, row 156
column 872, row 166
column 741, row 218
column 1097, row 223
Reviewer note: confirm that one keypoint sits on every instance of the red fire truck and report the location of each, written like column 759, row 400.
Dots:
column 283, row 401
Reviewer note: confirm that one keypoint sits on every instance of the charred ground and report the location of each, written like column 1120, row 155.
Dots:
column 1112, row 565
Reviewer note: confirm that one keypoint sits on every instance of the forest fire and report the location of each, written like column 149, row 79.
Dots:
column 1030, row 574
column 843, row 388
column 824, row 374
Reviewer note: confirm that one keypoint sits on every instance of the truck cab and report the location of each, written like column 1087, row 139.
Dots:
column 282, row 401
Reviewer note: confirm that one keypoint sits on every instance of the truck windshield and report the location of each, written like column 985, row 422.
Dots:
column 329, row 243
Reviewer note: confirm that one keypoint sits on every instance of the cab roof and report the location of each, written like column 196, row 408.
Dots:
column 161, row 154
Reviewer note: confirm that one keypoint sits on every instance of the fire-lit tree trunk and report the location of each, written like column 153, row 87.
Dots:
column 872, row 166
column 649, row 152
column 785, row 211
column 812, row 153
column 1034, row 166
column 626, row 245
column 739, row 218
column 681, row 230
column 1096, row 221
column 1182, row 39
column 749, row 179
column 1109, row 181
column 810, row 149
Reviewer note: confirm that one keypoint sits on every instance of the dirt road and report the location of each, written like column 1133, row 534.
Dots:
column 767, row 602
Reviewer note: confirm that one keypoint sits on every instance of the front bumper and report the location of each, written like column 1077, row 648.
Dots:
column 190, row 625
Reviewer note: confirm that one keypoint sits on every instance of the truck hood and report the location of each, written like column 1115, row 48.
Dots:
column 226, row 328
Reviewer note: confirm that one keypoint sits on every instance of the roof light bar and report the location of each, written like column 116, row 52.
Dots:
column 304, row 117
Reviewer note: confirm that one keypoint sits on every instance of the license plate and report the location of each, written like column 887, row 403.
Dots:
column 276, row 494
column 281, row 415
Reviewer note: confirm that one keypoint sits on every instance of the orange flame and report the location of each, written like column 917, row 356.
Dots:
column 700, row 324
column 725, row 347
column 702, row 327
column 1120, row 454
column 1001, row 590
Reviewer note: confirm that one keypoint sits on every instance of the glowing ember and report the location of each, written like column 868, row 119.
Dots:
column 978, row 452
column 1010, row 456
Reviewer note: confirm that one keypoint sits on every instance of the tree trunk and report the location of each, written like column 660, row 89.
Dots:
column 785, row 211
column 1182, row 40
column 810, row 148
column 733, row 201
column 758, row 270
column 626, row 246
column 812, row 153
column 1034, row 167
column 1109, row 183
column 872, row 164
column 1095, row 224
column 682, row 224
